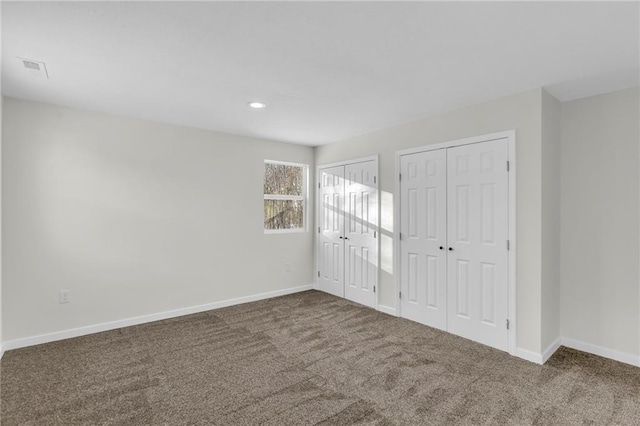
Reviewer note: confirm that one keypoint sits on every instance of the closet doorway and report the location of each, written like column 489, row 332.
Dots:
column 347, row 243
column 456, row 238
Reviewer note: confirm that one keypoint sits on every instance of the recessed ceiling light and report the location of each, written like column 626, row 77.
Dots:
column 257, row 104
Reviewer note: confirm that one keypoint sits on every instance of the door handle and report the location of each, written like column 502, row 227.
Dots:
column 341, row 237
column 345, row 238
column 441, row 248
column 450, row 248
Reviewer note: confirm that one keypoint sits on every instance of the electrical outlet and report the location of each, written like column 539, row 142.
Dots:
column 287, row 267
column 64, row 296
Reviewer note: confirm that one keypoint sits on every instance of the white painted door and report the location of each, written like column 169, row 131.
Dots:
column 360, row 232
column 477, row 212
column 331, row 238
column 423, row 227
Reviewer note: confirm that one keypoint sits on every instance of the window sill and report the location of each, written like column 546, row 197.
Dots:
column 285, row 231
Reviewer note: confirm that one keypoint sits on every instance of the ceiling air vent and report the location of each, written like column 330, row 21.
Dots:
column 35, row 68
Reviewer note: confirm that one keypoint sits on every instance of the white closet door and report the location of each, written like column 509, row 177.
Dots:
column 331, row 221
column 360, row 235
column 477, row 194
column 423, row 279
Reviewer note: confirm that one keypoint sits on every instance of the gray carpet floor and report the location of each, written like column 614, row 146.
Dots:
column 305, row 359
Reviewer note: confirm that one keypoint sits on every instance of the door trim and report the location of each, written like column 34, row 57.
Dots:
column 319, row 167
column 510, row 136
column 347, row 162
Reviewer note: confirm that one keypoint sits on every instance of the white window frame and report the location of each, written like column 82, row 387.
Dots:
column 303, row 197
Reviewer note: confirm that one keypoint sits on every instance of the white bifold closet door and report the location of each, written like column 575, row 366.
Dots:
column 360, row 232
column 453, row 248
column 348, row 219
column 478, row 230
column 331, row 239
column 423, row 259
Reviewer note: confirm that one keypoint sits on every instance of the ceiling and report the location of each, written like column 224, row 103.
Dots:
column 327, row 71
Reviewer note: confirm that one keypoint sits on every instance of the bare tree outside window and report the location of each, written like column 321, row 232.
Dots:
column 284, row 196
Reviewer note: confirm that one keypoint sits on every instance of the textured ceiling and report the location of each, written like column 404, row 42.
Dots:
column 327, row 71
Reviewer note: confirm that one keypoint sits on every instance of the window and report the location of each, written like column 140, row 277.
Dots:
column 285, row 196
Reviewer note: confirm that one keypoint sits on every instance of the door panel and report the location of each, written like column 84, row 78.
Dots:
column 331, row 220
column 477, row 209
column 423, row 226
column 361, row 218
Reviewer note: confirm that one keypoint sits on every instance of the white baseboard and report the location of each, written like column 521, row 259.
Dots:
column 387, row 310
column 553, row 347
column 97, row 328
column 528, row 355
column 603, row 352
column 580, row 346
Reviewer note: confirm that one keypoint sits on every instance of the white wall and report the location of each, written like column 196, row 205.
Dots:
column 521, row 112
column 134, row 217
column 1, row 322
column 599, row 236
column 1, row 314
column 551, row 254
